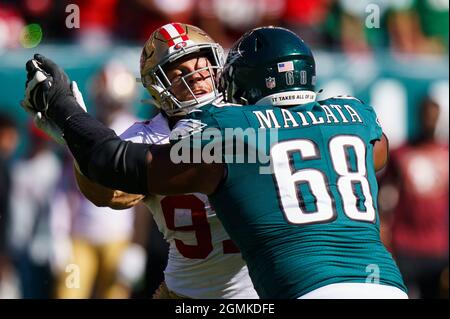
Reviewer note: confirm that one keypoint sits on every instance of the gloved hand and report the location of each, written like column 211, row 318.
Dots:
column 46, row 124
column 50, row 93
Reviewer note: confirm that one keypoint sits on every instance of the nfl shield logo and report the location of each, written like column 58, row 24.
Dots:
column 270, row 83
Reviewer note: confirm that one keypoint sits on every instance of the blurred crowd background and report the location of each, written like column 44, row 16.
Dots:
column 392, row 54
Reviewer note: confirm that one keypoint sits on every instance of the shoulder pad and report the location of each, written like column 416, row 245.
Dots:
column 347, row 97
column 185, row 128
column 220, row 103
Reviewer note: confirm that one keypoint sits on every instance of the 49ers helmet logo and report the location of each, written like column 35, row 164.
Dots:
column 180, row 45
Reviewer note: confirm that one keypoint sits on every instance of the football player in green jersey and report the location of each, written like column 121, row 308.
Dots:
column 307, row 229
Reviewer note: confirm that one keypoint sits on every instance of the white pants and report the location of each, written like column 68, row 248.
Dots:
column 356, row 291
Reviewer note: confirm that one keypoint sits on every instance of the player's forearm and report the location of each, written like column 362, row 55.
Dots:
column 130, row 167
column 103, row 157
column 105, row 197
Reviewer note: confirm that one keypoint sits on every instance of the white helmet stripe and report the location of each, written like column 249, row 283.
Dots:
column 174, row 34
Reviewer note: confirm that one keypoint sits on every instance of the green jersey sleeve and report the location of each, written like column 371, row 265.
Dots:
column 370, row 118
column 373, row 123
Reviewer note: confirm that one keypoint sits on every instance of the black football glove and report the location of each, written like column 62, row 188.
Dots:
column 49, row 92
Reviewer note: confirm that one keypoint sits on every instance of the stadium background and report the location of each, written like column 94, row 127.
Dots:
column 393, row 62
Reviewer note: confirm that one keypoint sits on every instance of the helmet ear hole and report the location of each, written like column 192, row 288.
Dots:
column 155, row 92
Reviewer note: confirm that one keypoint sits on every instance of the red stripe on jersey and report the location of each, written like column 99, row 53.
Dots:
column 181, row 31
column 166, row 36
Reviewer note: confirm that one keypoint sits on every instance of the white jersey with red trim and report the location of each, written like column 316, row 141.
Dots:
column 203, row 261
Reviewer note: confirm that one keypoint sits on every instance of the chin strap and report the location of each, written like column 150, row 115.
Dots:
column 186, row 106
column 199, row 101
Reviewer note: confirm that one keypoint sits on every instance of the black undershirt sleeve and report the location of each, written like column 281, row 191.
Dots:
column 103, row 157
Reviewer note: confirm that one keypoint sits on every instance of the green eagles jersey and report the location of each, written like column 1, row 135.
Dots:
column 308, row 217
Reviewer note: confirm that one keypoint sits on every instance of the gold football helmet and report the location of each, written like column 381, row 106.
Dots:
column 167, row 45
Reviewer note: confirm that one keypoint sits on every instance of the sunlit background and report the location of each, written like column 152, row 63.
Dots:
column 392, row 54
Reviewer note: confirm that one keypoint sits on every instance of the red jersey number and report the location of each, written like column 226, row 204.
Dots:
column 200, row 226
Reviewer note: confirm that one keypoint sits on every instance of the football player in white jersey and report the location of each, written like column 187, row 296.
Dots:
column 178, row 67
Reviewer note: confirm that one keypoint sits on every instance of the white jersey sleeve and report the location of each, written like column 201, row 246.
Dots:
column 203, row 261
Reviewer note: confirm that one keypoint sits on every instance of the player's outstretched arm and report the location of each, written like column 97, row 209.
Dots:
column 132, row 167
column 105, row 197
column 101, row 155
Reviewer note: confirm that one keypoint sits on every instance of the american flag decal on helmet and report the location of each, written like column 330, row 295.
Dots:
column 173, row 33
